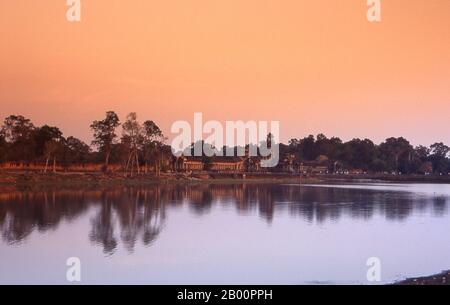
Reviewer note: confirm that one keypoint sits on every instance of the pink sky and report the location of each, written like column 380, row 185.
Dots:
column 316, row 66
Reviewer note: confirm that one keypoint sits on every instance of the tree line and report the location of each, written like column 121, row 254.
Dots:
column 393, row 155
column 139, row 144
column 142, row 145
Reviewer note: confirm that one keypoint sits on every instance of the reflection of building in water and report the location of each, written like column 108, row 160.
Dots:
column 125, row 216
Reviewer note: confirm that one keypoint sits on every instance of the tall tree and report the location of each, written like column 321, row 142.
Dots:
column 397, row 152
column 439, row 149
column 419, row 160
column 438, row 157
column 153, row 140
column 307, row 148
column 358, row 154
column 3, row 148
column 105, row 134
column 133, row 139
column 49, row 143
column 422, row 152
column 52, row 149
column 16, row 127
column 17, row 131
column 327, row 147
column 43, row 135
column 76, row 151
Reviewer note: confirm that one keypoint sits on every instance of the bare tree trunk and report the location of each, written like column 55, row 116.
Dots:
column 108, row 153
column 54, row 164
column 131, row 163
column 46, row 163
column 137, row 162
column 128, row 163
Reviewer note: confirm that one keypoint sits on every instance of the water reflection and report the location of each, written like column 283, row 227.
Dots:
column 131, row 215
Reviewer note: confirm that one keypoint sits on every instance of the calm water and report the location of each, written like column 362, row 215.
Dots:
column 225, row 234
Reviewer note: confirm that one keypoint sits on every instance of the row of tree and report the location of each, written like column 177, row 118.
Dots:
column 139, row 144
column 143, row 144
column 393, row 155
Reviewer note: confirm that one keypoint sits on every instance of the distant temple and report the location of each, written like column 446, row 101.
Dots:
column 289, row 164
column 186, row 164
column 216, row 164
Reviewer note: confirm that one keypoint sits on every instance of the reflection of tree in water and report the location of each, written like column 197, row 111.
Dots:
column 128, row 215
column 138, row 212
column 103, row 228
column 23, row 212
column 439, row 205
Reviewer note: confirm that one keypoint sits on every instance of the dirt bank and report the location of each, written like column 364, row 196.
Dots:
column 35, row 178
column 21, row 178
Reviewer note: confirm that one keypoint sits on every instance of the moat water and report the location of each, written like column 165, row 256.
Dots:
column 225, row 234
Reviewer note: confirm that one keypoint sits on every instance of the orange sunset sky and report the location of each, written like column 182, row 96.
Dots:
column 316, row 65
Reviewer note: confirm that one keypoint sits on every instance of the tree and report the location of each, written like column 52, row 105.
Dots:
column 16, row 127
column 439, row 149
column 76, row 151
column 327, row 147
column 48, row 143
column 43, row 135
column 397, row 152
column 105, row 134
column 422, row 152
column 438, row 157
column 358, row 154
column 419, row 161
column 307, row 148
column 3, row 148
column 52, row 149
column 153, row 140
column 17, row 132
column 133, row 139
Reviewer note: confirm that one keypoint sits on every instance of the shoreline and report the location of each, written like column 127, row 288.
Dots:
column 33, row 178
column 442, row 278
column 73, row 179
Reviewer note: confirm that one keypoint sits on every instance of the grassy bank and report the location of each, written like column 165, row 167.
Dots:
column 23, row 178
column 20, row 178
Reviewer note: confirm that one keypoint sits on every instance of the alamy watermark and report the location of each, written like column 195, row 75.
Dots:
column 73, row 273
column 235, row 139
column 73, row 13
column 374, row 271
column 374, row 11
